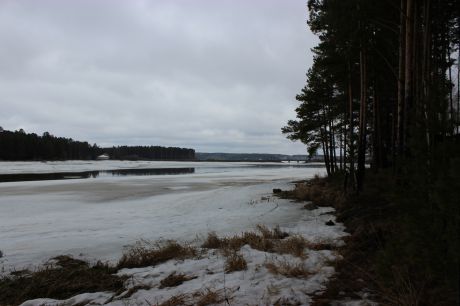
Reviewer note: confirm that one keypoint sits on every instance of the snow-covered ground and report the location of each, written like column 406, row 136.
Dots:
column 254, row 286
column 96, row 218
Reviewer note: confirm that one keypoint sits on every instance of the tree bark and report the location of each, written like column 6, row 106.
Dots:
column 351, row 126
column 362, row 119
column 401, row 76
column 408, row 75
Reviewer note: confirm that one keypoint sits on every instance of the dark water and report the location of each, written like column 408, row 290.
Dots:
column 20, row 177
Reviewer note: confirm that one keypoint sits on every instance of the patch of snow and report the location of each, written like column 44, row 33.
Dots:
column 254, row 285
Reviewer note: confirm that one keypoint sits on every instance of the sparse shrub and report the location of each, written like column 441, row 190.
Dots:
column 235, row 262
column 144, row 254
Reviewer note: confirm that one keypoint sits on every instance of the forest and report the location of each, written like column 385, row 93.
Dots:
column 382, row 104
column 21, row 146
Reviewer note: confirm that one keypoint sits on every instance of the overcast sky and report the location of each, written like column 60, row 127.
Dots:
column 216, row 76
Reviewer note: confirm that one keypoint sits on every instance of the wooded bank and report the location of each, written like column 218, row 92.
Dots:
column 383, row 85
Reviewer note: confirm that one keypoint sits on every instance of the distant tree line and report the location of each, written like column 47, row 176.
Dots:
column 150, row 153
column 19, row 145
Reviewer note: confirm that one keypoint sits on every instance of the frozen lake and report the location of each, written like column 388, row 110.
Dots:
column 95, row 216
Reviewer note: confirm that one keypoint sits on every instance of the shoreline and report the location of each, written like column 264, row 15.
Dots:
column 274, row 258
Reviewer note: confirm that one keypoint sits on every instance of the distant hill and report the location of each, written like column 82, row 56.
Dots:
column 251, row 157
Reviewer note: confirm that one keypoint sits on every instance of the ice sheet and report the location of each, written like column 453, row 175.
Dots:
column 96, row 218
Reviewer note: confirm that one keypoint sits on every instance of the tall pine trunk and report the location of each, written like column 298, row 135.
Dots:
column 362, row 119
column 351, row 129
column 399, row 131
column 408, row 76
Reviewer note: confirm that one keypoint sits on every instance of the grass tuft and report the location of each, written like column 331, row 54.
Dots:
column 145, row 253
column 294, row 245
column 275, row 233
column 235, row 262
column 267, row 240
column 212, row 241
column 208, row 297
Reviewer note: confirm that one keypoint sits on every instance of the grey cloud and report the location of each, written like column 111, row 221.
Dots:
column 212, row 75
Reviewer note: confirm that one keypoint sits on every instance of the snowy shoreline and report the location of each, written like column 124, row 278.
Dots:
column 97, row 219
column 256, row 283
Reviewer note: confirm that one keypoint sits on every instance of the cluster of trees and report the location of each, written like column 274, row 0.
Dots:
column 19, row 145
column 381, row 84
column 384, row 88
column 150, row 152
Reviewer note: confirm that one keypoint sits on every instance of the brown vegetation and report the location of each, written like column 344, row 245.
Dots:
column 144, row 254
column 235, row 262
column 318, row 191
column 294, row 245
column 66, row 278
column 273, row 241
column 209, row 297
column 288, row 269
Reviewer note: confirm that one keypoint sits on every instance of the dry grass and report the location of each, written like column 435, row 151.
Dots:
column 235, row 262
column 212, row 241
column 208, row 297
column 294, row 245
column 174, row 279
column 275, row 233
column 145, row 253
column 318, row 191
column 66, row 278
column 288, row 269
column 177, row 300
column 265, row 240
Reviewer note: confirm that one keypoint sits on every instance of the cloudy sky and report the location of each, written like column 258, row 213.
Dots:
column 217, row 76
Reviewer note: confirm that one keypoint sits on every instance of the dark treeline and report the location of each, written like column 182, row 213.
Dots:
column 384, row 87
column 381, row 83
column 20, row 146
column 150, row 152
